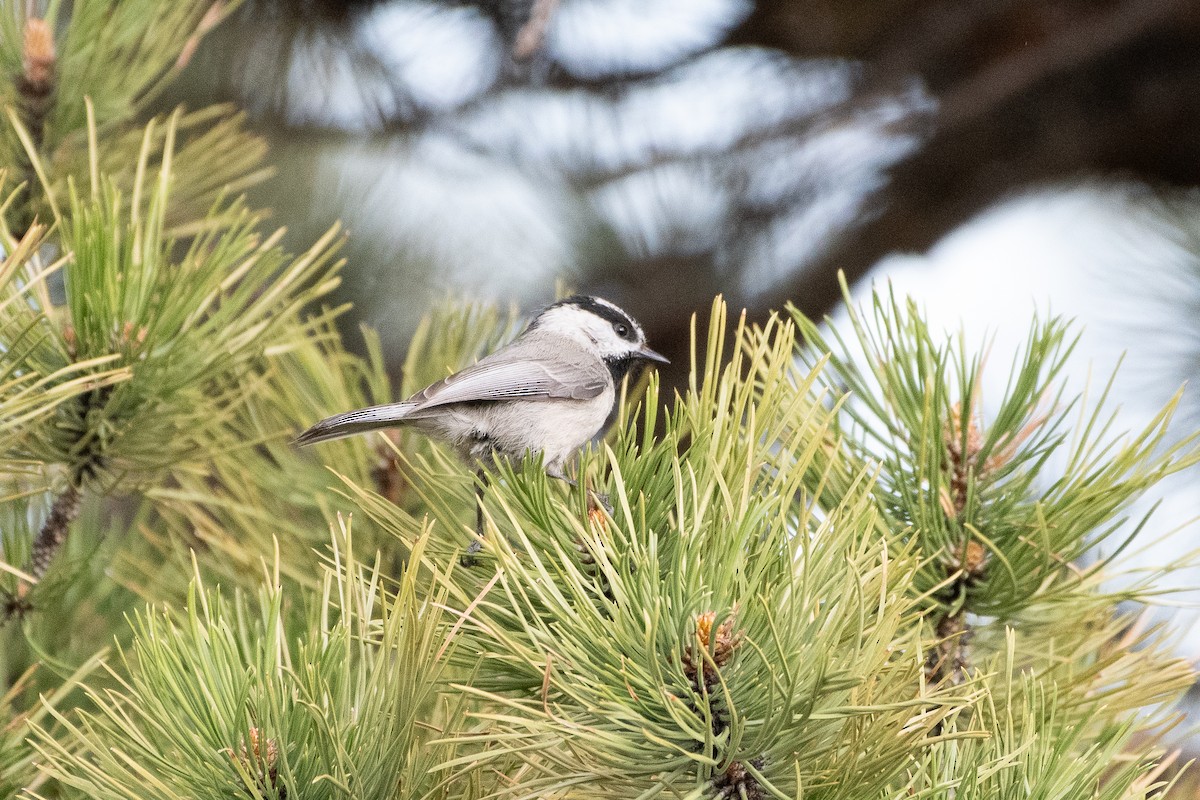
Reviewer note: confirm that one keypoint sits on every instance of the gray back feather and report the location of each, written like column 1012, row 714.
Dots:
column 528, row 369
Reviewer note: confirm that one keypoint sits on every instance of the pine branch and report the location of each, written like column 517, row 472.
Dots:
column 242, row 697
column 604, row 625
column 997, row 530
column 147, row 358
column 748, row 622
column 86, row 76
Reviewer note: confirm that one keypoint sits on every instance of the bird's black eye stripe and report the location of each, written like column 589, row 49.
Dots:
column 604, row 311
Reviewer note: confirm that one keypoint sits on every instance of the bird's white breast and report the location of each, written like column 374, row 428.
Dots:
column 561, row 426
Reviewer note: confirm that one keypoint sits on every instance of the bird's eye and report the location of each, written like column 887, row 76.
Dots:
column 622, row 329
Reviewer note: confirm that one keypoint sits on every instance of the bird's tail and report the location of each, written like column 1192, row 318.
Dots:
column 364, row 420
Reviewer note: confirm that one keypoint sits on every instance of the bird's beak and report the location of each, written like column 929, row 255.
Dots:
column 646, row 354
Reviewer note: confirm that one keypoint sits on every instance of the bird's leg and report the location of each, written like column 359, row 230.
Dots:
column 481, row 482
column 556, row 471
column 480, row 485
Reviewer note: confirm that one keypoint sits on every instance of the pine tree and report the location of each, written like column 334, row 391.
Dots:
column 826, row 573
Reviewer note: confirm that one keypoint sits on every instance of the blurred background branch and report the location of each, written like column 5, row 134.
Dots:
column 1029, row 93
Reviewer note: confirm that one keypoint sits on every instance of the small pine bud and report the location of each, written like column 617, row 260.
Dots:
column 726, row 642
column 596, row 516
column 269, row 756
column 71, row 339
column 963, row 454
column 971, row 560
column 38, row 55
column 35, row 84
column 261, row 759
column 35, row 96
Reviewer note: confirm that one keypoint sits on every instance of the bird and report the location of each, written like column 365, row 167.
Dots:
column 548, row 392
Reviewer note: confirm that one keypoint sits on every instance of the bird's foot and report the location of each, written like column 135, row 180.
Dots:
column 597, row 501
column 468, row 558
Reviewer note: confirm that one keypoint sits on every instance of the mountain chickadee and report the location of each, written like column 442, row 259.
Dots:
column 549, row 391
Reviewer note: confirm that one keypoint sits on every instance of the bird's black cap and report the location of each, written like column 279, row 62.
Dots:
column 601, row 308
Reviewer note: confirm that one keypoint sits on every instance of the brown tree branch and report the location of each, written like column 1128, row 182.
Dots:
column 1081, row 40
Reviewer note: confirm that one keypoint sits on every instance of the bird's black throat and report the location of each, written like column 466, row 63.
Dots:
column 620, row 366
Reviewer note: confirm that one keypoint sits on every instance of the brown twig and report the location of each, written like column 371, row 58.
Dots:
column 531, row 35
column 1083, row 39
column 214, row 14
column 54, row 531
column 948, row 660
column 390, row 481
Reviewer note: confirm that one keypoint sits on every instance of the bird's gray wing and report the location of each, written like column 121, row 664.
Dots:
column 512, row 377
